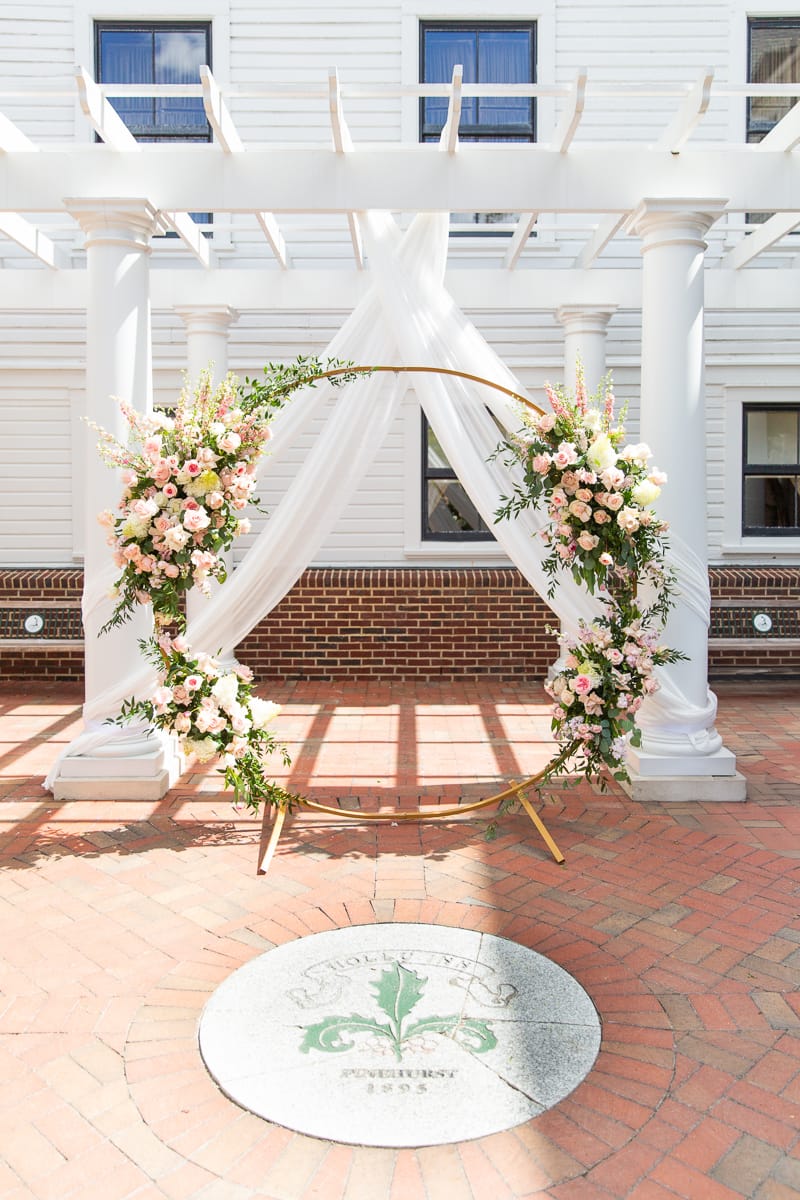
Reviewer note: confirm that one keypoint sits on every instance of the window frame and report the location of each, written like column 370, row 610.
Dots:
column 784, row 21
column 143, row 25
column 477, row 25
column 427, row 474
column 761, row 469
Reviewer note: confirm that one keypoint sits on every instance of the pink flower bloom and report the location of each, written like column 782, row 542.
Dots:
column 541, row 463
column 614, row 656
column 180, row 644
column 587, row 541
column 192, row 467
column 547, row 420
column 193, row 682
column 196, row 519
column 170, row 491
column 605, row 557
column 582, row 685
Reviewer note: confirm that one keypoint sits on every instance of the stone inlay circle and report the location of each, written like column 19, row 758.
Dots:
column 399, row 1035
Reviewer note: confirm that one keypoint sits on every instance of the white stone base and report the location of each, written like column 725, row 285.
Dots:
column 152, row 787
column 686, row 789
column 658, row 766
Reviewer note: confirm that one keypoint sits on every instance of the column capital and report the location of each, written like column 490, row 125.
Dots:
column 122, row 222
column 207, row 318
column 675, row 221
column 585, row 318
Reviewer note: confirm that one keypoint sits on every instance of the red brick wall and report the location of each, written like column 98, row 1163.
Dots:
column 407, row 624
column 410, row 623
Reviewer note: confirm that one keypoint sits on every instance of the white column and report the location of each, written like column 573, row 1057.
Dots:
column 207, row 338
column 682, row 756
column 134, row 764
column 207, row 348
column 585, row 342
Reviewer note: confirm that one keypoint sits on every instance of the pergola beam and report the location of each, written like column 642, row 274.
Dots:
column 217, row 114
column 519, row 239
column 339, row 290
column 12, row 138
column 275, row 238
column 571, row 116
column 761, row 239
column 190, row 234
column 786, row 134
column 496, row 178
column 605, row 231
column 29, row 238
column 343, row 144
column 448, row 139
column 689, row 115
column 101, row 115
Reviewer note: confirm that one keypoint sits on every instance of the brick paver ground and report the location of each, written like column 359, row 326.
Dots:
column 117, row 920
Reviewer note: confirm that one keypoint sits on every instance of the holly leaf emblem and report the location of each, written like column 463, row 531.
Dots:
column 397, row 991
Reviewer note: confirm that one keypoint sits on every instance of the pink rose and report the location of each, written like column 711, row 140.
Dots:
column 193, row 682
column 196, row 519
column 541, row 463
column 582, row 685
column 192, row 467
column 180, row 644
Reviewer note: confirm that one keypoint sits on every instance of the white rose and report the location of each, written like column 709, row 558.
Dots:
column 645, row 493
column 226, row 691
column 601, row 455
column 262, row 711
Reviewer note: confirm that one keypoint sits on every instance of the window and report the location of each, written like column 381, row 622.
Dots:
column 448, row 514
column 500, row 52
column 156, row 52
column 773, row 57
column 771, row 471
column 490, row 52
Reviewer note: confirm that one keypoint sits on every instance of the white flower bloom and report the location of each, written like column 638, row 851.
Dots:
column 601, row 455
column 226, row 691
column 262, row 711
column 645, row 493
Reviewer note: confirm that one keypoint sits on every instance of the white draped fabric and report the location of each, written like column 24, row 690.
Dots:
column 406, row 318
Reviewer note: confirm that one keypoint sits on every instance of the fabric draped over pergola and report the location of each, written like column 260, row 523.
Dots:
column 406, row 318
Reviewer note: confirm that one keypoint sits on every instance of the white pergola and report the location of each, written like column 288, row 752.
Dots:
column 684, row 198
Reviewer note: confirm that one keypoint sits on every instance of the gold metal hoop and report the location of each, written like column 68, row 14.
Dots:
column 269, row 843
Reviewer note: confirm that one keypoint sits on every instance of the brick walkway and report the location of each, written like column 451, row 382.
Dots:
column 682, row 923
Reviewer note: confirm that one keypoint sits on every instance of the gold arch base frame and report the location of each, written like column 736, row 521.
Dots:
column 269, row 840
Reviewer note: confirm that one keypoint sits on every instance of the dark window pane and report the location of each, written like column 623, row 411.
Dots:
column 774, row 58
column 488, row 54
column 450, row 510
column 436, row 457
column 771, row 502
column 772, row 437
column 156, row 54
column 179, row 54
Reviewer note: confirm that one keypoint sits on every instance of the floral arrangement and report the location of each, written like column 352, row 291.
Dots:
column 186, row 479
column 213, row 713
column 598, row 490
column 608, row 670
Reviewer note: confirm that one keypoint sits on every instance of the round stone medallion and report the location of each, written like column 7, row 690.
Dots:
column 399, row 1035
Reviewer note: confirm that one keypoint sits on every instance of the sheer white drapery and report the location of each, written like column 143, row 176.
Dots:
column 407, row 317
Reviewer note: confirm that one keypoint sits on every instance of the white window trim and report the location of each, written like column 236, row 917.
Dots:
column 86, row 12
column 450, row 554
column 415, row 11
column 737, row 51
column 734, row 544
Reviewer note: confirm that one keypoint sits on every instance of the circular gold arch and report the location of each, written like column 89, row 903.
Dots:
column 515, row 790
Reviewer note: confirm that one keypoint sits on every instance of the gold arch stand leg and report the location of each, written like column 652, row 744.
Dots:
column 269, row 841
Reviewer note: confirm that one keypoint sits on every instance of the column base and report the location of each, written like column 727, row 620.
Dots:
column 120, row 776
column 152, row 787
column 687, row 789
